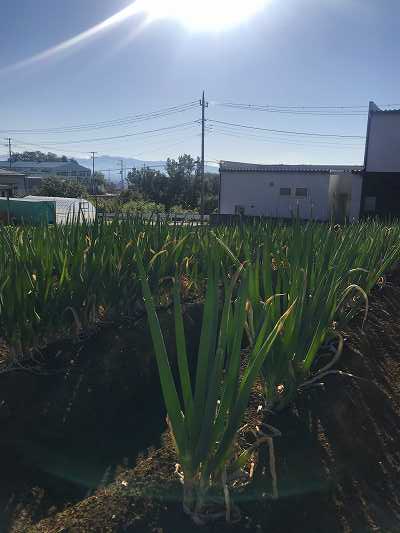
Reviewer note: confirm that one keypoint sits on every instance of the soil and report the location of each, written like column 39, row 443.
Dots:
column 72, row 426
column 338, row 458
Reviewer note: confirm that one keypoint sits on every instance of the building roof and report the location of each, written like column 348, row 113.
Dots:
column 373, row 108
column 32, row 198
column 233, row 166
column 10, row 174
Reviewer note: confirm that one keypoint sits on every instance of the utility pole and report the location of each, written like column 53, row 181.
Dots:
column 93, row 156
column 9, row 149
column 203, row 104
column 122, row 174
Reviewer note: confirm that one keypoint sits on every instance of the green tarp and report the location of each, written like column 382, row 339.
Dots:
column 20, row 211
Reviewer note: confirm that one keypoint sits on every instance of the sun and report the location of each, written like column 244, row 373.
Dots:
column 203, row 15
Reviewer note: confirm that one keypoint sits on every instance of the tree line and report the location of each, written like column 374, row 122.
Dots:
column 176, row 187
column 39, row 157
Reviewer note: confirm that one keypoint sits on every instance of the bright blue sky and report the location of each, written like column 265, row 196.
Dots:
column 293, row 53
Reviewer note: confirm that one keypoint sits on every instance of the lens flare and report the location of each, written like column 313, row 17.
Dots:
column 114, row 20
column 196, row 15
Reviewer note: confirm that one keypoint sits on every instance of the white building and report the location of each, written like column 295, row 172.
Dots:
column 282, row 191
column 322, row 191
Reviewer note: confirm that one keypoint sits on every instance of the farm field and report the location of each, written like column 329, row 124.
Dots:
column 276, row 346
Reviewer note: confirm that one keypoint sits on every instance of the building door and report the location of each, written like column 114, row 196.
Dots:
column 341, row 211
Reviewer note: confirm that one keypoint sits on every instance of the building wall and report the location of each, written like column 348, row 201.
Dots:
column 356, row 194
column 383, row 142
column 259, row 194
column 350, row 185
column 381, row 194
column 21, row 185
column 16, row 182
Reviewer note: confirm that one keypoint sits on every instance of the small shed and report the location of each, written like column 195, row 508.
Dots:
column 68, row 209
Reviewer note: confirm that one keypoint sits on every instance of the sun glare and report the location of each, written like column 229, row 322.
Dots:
column 195, row 15
column 203, row 15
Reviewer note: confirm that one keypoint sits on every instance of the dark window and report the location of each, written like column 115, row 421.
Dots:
column 284, row 191
column 301, row 191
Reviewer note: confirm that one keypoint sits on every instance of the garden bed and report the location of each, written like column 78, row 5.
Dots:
column 338, row 459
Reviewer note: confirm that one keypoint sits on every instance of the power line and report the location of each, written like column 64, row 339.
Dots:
column 130, row 119
column 62, row 145
column 312, row 111
column 293, row 112
column 267, row 107
column 220, row 127
column 279, row 138
column 287, row 143
column 35, row 145
column 109, row 123
column 288, row 132
column 297, row 106
column 282, row 138
column 138, row 154
column 169, row 145
column 115, row 137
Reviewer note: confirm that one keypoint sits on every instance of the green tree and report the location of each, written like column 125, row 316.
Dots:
column 95, row 184
column 211, row 192
column 149, row 184
column 111, row 187
column 61, row 188
column 184, row 181
column 140, row 206
column 180, row 185
column 39, row 157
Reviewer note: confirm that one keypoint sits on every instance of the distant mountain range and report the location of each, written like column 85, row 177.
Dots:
column 111, row 165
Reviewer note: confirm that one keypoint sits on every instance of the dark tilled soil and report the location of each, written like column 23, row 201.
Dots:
column 338, row 459
column 85, row 416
